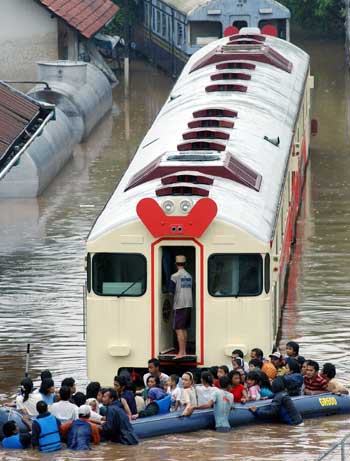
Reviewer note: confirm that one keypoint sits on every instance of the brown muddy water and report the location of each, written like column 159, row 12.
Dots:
column 41, row 269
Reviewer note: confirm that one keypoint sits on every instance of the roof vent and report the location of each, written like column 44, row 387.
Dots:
column 201, row 145
column 215, row 112
column 232, row 52
column 230, row 76
column 192, row 177
column 238, row 38
column 236, row 65
column 210, row 123
column 226, row 87
column 205, row 134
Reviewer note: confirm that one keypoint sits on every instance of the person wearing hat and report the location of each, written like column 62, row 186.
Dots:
column 278, row 362
column 181, row 290
column 79, row 433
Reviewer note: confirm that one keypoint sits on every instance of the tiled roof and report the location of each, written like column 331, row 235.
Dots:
column 86, row 16
column 19, row 115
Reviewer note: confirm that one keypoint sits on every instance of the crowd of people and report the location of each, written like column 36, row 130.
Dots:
column 79, row 419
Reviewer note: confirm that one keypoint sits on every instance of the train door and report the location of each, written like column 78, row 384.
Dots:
column 166, row 345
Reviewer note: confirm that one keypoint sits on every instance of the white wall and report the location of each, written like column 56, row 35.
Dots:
column 27, row 34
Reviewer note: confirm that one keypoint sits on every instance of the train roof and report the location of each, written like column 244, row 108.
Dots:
column 268, row 7
column 264, row 110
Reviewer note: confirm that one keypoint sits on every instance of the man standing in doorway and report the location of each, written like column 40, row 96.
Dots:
column 181, row 290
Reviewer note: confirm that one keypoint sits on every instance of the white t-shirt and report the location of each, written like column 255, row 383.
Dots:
column 64, row 411
column 183, row 289
column 175, row 396
column 204, row 394
column 188, row 396
column 29, row 404
column 163, row 378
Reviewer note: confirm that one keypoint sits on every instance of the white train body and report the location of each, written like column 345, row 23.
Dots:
column 218, row 178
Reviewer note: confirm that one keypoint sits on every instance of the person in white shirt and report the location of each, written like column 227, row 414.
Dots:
column 26, row 402
column 205, row 390
column 180, row 288
column 153, row 370
column 65, row 410
column 175, row 391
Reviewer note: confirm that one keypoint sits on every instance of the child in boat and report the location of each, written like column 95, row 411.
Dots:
column 238, row 354
column 237, row 388
column 222, row 371
column 265, row 386
column 328, row 373
column 205, row 390
column 281, row 408
column 237, row 365
column 158, row 399
column 314, row 383
column 27, row 400
column 293, row 379
column 255, row 364
column 253, row 388
column 174, row 391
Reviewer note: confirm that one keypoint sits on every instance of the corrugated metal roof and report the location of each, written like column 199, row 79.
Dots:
column 16, row 112
column 20, row 119
column 86, row 16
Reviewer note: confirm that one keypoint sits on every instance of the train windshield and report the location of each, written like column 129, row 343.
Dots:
column 235, row 275
column 204, row 32
column 119, row 274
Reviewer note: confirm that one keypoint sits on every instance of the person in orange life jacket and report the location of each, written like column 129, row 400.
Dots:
column 180, row 289
column 45, row 430
column 13, row 439
column 267, row 367
column 117, row 428
column 81, row 432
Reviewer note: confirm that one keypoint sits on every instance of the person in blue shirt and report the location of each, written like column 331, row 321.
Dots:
column 13, row 438
column 48, row 391
column 46, row 430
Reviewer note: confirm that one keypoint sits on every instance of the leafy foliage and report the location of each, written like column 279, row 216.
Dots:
column 117, row 25
column 325, row 16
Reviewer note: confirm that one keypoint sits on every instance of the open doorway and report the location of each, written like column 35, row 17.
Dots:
column 168, row 345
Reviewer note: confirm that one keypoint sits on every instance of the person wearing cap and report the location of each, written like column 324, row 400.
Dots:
column 278, row 362
column 79, row 433
column 180, row 289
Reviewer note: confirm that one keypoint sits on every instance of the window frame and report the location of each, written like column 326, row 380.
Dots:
column 243, row 295
column 115, row 295
column 267, row 270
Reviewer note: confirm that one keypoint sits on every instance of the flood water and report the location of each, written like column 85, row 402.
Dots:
column 41, row 268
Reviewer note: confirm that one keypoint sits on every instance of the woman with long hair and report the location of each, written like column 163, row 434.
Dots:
column 27, row 400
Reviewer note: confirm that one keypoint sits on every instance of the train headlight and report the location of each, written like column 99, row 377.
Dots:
column 168, row 206
column 185, row 206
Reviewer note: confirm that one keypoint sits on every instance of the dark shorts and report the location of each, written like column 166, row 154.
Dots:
column 182, row 318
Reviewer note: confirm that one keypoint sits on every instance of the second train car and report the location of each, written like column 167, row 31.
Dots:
column 172, row 30
column 217, row 178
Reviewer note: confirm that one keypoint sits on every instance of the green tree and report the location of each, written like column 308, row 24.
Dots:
column 325, row 16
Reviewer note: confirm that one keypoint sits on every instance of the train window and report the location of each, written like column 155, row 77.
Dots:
column 153, row 19
column 240, row 24
column 88, row 272
column 158, row 22
column 204, row 32
column 146, row 13
column 119, row 274
column 164, row 25
column 233, row 275
column 180, row 34
column 267, row 273
column 270, row 26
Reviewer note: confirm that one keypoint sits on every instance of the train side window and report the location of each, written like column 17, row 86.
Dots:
column 240, row 24
column 180, row 34
column 153, row 19
column 267, row 273
column 164, row 25
column 88, row 272
column 233, row 275
column 119, row 274
column 146, row 13
column 158, row 22
column 204, row 32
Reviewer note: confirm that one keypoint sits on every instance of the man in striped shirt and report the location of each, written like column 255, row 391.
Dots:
column 314, row 383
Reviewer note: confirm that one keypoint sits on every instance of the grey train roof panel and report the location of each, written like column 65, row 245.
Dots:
column 237, row 7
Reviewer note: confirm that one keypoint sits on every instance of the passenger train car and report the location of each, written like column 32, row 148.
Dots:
column 217, row 178
column 172, row 30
